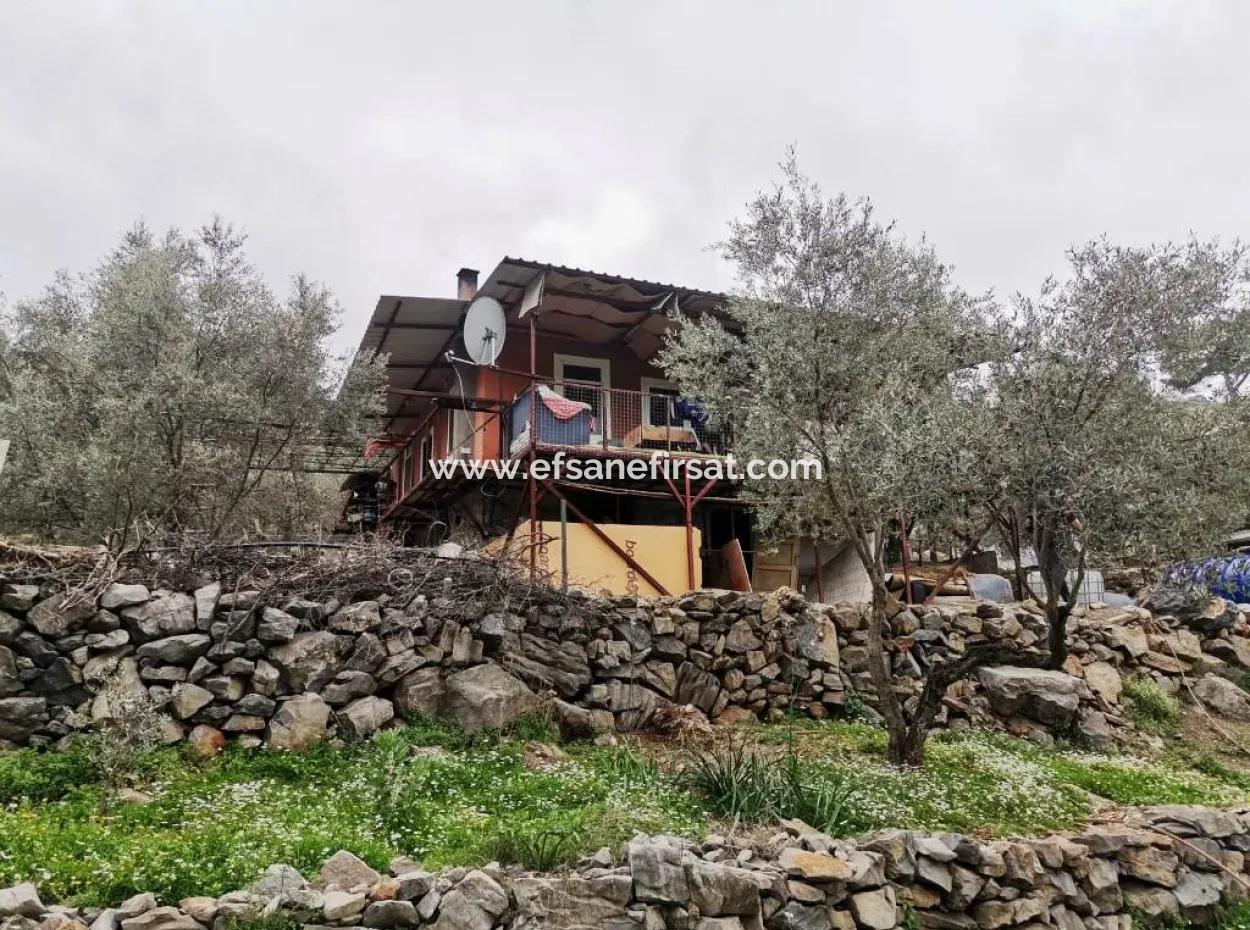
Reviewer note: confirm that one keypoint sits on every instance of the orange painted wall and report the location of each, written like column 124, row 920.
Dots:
column 626, row 372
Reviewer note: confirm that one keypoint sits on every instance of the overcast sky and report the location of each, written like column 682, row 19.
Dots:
column 378, row 147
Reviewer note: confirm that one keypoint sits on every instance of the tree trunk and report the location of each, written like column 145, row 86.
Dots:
column 1053, row 574
column 883, row 675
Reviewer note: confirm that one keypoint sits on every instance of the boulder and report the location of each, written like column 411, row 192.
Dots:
column 1196, row 893
column 347, row 686
column 561, row 667
column 299, row 723
column 346, row 872
column 340, row 905
column 631, row 704
column 204, row 741
column 356, row 618
column 117, row 596
column 206, row 603
column 875, row 910
column 21, row 901
column 741, row 638
column 1149, row 864
column 1223, row 697
column 474, row 904
column 721, row 889
column 19, row 597
column 276, row 626
column 277, row 880
column 59, row 615
column 168, row 615
column 10, row 629
column 162, row 918
column 799, row 916
column 1131, row 640
column 182, row 649
column 187, row 700
column 659, row 877
column 1103, row 679
column 570, row 903
column 419, row 694
column 817, row 641
column 308, row 662
column 813, row 866
column 387, row 915
column 21, row 716
column 1044, row 695
column 485, row 697
column 1217, row 615
column 581, row 722
column 365, row 716
column 697, row 687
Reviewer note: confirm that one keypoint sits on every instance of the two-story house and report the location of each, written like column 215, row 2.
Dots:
column 575, row 378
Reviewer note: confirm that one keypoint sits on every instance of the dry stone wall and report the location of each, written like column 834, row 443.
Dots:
column 218, row 664
column 213, row 663
column 1163, row 864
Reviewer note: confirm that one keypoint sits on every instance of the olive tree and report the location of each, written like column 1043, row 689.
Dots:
column 849, row 345
column 1091, row 457
column 1206, row 346
column 171, row 391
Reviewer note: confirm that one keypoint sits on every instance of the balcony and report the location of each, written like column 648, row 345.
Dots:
column 609, row 421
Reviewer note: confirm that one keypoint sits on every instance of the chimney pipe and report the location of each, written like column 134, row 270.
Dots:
column 466, row 283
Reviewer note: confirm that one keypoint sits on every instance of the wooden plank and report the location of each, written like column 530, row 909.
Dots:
column 735, row 566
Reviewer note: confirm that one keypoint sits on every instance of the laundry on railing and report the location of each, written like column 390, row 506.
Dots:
column 690, row 410
column 561, row 407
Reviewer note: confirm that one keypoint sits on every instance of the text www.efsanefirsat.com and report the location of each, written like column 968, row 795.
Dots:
column 659, row 465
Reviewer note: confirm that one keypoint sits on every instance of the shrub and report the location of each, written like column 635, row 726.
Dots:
column 735, row 782
column 1150, row 707
column 752, row 788
column 47, row 776
column 537, row 846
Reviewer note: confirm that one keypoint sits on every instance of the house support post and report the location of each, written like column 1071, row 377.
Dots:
column 533, row 431
column 820, row 588
column 906, row 554
column 564, row 545
column 688, row 502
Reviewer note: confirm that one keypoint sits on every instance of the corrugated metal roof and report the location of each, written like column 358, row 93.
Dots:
column 604, row 276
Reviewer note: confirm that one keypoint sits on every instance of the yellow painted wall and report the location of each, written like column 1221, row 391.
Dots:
column 661, row 550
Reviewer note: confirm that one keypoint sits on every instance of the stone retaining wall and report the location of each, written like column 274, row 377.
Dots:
column 1166, row 863
column 217, row 663
column 225, row 664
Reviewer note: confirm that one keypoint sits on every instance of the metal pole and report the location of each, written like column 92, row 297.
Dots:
column 902, row 519
column 533, row 491
column 564, row 544
column 689, row 505
column 820, row 590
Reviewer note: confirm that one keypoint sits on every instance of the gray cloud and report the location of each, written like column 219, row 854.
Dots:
column 380, row 146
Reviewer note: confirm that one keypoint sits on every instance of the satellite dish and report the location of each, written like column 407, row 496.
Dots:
column 484, row 330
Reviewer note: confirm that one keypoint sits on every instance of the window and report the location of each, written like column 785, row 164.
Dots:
column 657, row 402
column 409, row 471
column 590, row 372
column 427, row 452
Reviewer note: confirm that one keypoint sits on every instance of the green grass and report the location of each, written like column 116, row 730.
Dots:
column 214, row 826
column 1150, row 708
column 994, row 784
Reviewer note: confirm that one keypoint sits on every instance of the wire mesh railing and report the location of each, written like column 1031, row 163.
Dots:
column 587, row 416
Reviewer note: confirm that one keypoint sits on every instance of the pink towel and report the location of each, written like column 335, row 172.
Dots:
column 562, row 408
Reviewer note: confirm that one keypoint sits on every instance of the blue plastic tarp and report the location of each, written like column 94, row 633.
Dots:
column 1226, row 576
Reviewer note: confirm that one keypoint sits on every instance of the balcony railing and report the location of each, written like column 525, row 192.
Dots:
column 583, row 415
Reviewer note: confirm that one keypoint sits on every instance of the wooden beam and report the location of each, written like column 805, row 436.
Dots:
column 608, row 540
